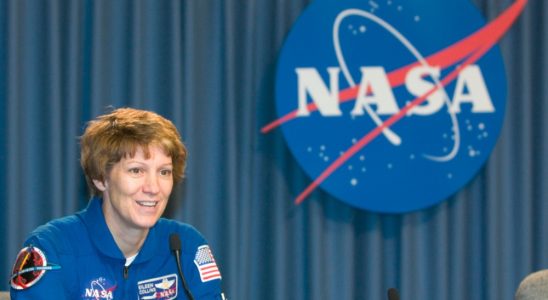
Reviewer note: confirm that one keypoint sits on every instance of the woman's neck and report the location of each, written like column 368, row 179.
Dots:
column 129, row 241
column 127, row 238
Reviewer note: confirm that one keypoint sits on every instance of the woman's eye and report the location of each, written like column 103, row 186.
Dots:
column 135, row 171
column 166, row 172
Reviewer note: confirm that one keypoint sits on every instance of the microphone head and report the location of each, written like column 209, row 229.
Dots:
column 174, row 242
column 393, row 294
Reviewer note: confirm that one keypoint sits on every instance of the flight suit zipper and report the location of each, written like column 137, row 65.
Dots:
column 126, row 272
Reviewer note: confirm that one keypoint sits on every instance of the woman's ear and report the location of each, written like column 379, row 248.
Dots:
column 100, row 185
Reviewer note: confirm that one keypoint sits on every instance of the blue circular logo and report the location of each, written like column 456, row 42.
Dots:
column 390, row 106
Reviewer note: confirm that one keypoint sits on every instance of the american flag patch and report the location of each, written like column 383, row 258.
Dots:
column 206, row 264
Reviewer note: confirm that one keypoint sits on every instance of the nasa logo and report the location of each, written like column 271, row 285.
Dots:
column 99, row 288
column 392, row 106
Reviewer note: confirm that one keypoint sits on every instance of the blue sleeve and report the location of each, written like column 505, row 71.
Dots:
column 51, row 280
column 201, row 271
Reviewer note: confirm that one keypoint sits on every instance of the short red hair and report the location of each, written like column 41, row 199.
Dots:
column 118, row 134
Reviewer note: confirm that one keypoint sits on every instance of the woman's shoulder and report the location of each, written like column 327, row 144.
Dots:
column 188, row 234
column 60, row 226
column 60, row 234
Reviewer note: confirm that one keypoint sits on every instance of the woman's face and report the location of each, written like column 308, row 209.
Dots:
column 137, row 190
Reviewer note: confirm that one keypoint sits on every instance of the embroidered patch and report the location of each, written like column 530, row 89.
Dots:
column 30, row 265
column 99, row 288
column 205, row 262
column 163, row 288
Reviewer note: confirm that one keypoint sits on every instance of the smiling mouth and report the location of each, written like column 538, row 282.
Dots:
column 147, row 203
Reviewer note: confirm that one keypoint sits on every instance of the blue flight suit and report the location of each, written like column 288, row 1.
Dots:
column 93, row 267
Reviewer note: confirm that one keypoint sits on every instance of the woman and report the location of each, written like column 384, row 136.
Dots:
column 119, row 247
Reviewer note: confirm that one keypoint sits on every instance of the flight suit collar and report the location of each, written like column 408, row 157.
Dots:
column 102, row 238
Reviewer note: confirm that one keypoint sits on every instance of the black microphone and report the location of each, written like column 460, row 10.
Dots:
column 393, row 294
column 175, row 247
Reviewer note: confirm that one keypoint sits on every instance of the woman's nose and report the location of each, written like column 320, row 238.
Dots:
column 151, row 185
